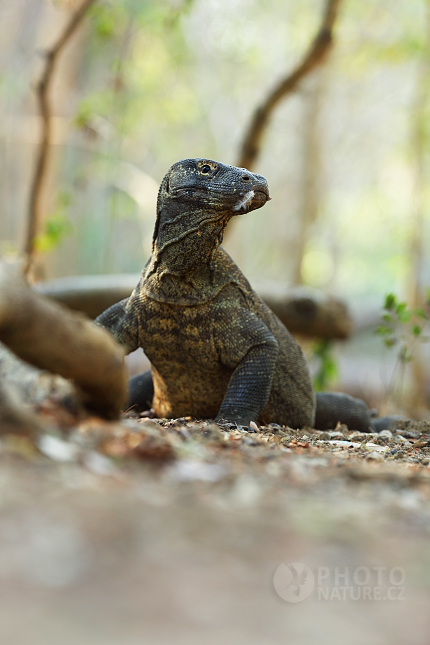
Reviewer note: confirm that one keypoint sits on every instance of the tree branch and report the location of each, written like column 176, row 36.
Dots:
column 315, row 55
column 43, row 86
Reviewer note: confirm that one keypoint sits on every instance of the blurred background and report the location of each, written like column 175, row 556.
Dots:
column 142, row 84
column 142, row 556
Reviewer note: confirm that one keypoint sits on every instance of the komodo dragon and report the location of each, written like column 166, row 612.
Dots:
column 216, row 350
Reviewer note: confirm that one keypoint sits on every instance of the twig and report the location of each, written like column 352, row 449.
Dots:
column 315, row 55
column 42, row 88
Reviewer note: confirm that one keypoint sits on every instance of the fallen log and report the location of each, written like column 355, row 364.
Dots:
column 309, row 312
column 304, row 311
column 48, row 336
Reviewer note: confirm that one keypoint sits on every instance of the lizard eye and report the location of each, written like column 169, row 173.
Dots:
column 205, row 170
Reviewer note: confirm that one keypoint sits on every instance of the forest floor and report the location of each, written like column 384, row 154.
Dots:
column 160, row 531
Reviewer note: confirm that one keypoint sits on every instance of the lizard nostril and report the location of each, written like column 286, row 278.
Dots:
column 246, row 178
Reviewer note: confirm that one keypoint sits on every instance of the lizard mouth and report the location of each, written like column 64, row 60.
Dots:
column 263, row 194
column 251, row 200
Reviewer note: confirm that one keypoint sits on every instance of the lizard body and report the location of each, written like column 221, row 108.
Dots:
column 216, row 350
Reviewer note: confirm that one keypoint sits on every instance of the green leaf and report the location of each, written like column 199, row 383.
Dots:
column 404, row 315
column 83, row 115
column 383, row 330
column 416, row 330
column 327, row 366
column 421, row 313
column 390, row 342
column 390, row 301
column 400, row 306
column 57, row 226
column 105, row 21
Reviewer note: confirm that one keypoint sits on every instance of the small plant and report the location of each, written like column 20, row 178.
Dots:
column 402, row 328
column 327, row 370
column 56, row 227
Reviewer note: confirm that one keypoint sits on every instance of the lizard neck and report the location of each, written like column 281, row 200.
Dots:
column 186, row 246
column 183, row 267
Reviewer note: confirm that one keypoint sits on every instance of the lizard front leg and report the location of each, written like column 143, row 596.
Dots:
column 122, row 322
column 252, row 351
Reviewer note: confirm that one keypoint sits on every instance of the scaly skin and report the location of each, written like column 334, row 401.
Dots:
column 215, row 348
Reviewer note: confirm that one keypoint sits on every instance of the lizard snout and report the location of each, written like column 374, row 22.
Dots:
column 255, row 192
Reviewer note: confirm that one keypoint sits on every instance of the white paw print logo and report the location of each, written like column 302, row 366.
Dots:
column 293, row 582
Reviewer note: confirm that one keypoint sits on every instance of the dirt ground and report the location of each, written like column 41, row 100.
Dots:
column 158, row 531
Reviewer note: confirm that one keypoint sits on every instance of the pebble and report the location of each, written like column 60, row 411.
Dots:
column 98, row 464
column 401, row 439
column 387, row 434
column 343, row 443
column 422, row 443
column 375, row 456
column 57, row 449
column 375, row 448
column 275, row 427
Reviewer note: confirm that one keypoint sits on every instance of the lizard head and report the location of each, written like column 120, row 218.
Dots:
column 196, row 200
column 214, row 185
column 202, row 190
